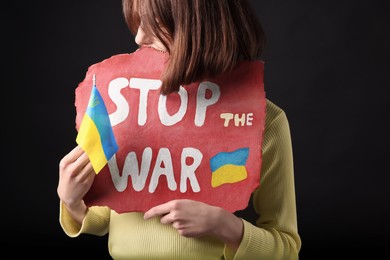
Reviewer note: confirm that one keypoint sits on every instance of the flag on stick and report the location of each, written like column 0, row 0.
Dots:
column 95, row 135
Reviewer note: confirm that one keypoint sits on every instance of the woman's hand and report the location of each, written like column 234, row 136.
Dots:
column 75, row 179
column 194, row 219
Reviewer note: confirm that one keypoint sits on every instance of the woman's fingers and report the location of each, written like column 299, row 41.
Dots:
column 82, row 160
column 159, row 210
column 86, row 172
column 70, row 158
column 76, row 164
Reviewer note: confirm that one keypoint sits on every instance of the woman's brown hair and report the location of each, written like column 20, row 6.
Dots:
column 203, row 37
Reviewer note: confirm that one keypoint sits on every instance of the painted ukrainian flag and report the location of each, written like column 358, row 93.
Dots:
column 95, row 134
column 229, row 167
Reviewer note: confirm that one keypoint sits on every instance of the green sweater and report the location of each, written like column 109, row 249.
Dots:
column 274, row 236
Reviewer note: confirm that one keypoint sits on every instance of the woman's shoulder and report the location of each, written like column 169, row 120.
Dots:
column 273, row 112
column 277, row 128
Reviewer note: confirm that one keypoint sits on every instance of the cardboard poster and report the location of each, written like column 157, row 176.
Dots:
column 202, row 143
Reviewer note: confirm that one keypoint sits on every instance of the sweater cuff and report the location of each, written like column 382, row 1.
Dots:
column 70, row 227
column 231, row 254
column 92, row 223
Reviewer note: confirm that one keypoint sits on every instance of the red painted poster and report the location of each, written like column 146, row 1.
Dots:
column 202, row 143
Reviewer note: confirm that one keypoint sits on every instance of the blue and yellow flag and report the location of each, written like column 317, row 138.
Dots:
column 95, row 134
column 229, row 167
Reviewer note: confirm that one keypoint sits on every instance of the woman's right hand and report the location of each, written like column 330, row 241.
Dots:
column 76, row 176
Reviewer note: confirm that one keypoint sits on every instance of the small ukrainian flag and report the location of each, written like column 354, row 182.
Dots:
column 229, row 167
column 95, row 134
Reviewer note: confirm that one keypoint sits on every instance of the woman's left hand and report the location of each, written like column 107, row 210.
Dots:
column 194, row 219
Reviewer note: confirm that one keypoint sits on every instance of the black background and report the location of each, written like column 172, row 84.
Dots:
column 327, row 66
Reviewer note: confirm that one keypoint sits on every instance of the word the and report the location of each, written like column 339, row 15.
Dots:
column 244, row 119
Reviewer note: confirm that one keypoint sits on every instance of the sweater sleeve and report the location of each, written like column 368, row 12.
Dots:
column 275, row 235
column 96, row 222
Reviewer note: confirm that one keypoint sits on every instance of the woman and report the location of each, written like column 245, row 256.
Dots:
column 203, row 39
